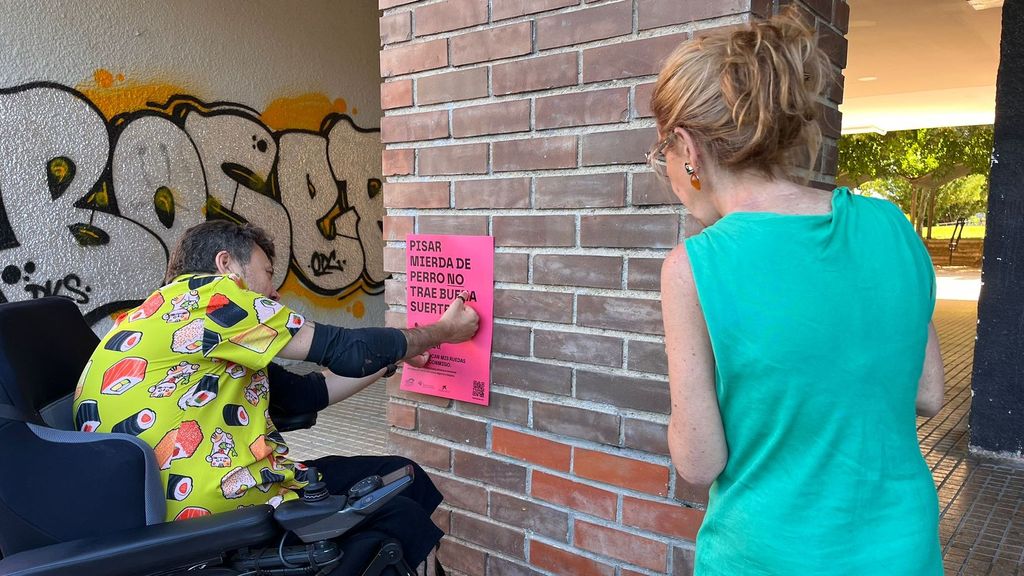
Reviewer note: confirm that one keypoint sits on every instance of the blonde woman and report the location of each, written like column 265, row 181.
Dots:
column 797, row 325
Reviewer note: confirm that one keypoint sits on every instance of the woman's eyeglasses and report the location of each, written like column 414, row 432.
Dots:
column 656, row 157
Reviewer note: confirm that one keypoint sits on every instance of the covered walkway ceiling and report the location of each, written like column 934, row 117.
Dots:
column 921, row 64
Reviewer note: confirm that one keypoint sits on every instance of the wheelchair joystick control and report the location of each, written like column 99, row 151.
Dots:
column 315, row 490
column 334, row 515
column 364, row 487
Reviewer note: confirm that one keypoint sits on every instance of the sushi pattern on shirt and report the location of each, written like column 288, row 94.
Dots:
column 186, row 373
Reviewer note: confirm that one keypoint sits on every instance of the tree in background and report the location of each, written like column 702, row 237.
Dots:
column 895, row 190
column 962, row 198
column 933, row 174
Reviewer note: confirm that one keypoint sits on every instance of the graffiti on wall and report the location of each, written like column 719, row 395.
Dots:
column 92, row 202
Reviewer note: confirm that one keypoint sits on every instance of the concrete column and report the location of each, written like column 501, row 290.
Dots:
column 997, row 412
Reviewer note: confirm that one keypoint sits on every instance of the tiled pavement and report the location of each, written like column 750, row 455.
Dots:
column 981, row 502
column 356, row 426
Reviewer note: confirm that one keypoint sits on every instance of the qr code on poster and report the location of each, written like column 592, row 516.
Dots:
column 478, row 388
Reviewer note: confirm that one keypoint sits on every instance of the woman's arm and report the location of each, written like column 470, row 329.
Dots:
column 696, row 438
column 931, row 387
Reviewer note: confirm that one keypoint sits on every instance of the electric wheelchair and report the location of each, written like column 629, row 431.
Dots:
column 48, row 528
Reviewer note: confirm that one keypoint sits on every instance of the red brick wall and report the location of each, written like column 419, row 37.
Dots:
column 528, row 120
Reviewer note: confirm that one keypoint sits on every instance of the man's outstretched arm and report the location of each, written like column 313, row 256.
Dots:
column 458, row 324
column 360, row 352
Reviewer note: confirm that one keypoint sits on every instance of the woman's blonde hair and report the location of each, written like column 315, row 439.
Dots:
column 748, row 96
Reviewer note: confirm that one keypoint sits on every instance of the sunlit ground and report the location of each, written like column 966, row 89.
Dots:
column 945, row 232
column 957, row 283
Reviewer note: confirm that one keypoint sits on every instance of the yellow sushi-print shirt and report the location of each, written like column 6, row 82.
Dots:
column 185, row 372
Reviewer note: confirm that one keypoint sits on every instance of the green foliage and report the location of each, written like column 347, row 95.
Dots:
column 895, row 190
column 914, row 155
column 933, row 174
column 962, row 198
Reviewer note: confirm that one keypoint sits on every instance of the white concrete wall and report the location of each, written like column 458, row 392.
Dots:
column 123, row 122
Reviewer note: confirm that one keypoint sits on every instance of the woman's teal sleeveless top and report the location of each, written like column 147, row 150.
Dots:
column 818, row 325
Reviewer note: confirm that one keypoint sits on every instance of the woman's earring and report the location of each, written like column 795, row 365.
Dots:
column 694, row 179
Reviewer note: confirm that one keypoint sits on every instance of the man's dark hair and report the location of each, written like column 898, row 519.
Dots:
column 197, row 249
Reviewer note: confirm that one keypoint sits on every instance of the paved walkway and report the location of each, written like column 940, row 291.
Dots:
column 958, row 283
column 356, row 426
column 981, row 502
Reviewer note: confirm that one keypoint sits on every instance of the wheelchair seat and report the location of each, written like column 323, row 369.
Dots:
column 88, row 503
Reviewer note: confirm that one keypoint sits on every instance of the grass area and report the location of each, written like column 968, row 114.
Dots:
column 944, row 232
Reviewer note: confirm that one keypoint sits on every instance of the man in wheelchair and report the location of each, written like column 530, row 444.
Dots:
column 190, row 373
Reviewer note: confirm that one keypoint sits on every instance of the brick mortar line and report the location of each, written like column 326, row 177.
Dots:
column 650, row 417
column 589, row 330
column 616, row 564
column 548, row 398
column 573, row 401
column 561, row 250
column 633, row 530
column 532, row 130
column 646, row 210
column 608, row 450
column 575, row 48
column 586, row 291
column 566, row 547
column 582, row 130
column 579, row 59
column 563, row 289
column 532, row 18
column 680, row 28
column 552, row 436
column 554, row 327
column 637, row 252
column 574, row 389
column 490, row 156
column 583, row 329
column 580, row 88
column 625, row 359
column 512, row 559
column 572, row 512
column 402, row 308
column 662, row 461
column 600, row 169
column 645, row 253
column 491, row 98
column 602, row 251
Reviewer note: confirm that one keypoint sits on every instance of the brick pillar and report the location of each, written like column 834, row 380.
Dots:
column 528, row 120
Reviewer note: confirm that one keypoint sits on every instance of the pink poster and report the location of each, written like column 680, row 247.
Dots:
column 437, row 268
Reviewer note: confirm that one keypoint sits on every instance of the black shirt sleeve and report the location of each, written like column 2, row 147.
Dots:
column 295, row 394
column 356, row 352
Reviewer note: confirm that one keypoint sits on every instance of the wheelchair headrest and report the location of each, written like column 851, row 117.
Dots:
column 44, row 345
